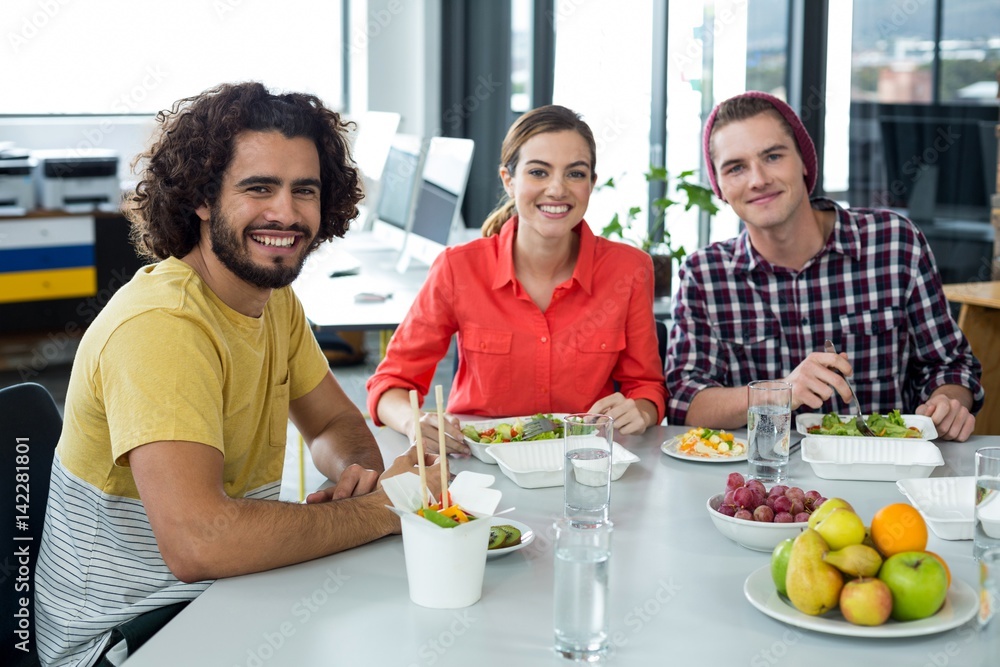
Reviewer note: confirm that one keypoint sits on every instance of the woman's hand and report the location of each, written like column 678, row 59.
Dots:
column 631, row 417
column 454, row 440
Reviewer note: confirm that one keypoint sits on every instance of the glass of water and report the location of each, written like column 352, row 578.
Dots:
column 987, row 516
column 989, row 605
column 769, row 421
column 580, row 598
column 587, row 446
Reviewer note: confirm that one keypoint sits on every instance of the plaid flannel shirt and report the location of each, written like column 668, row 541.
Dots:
column 874, row 290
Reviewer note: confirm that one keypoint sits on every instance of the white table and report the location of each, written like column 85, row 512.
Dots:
column 676, row 590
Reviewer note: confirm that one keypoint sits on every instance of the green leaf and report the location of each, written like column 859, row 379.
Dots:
column 610, row 183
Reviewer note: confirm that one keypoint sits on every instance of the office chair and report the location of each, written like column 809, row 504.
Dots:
column 30, row 425
column 662, row 334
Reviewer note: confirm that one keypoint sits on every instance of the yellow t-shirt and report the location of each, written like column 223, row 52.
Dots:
column 165, row 360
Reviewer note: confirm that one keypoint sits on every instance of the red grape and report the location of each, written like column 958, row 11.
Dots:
column 728, row 510
column 782, row 505
column 744, row 497
column 744, row 514
column 764, row 514
column 778, row 490
column 801, row 517
column 797, row 508
column 756, row 485
column 783, row 517
column 734, row 481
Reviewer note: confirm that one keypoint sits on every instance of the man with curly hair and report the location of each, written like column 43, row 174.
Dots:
column 169, row 466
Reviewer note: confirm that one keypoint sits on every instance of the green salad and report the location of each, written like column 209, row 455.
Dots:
column 513, row 432
column 884, row 426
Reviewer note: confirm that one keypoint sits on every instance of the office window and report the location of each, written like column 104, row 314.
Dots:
column 128, row 57
column 603, row 68
column 520, row 55
column 970, row 51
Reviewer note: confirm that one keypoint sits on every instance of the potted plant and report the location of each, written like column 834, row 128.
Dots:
column 655, row 239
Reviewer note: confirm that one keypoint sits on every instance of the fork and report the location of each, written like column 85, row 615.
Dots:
column 538, row 426
column 859, row 418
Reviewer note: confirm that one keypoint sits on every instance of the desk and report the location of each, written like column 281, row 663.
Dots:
column 676, row 589
column 330, row 302
column 979, row 320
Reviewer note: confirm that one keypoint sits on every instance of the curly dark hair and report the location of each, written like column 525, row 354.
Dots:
column 183, row 167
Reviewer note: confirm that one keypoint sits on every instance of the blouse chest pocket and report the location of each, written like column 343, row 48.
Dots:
column 487, row 358
column 596, row 358
column 748, row 343
column 874, row 342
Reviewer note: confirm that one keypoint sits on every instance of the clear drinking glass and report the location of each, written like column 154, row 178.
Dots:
column 582, row 557
column 989, row 605
column 769, row 421
column 587, row 447
column 987, row 516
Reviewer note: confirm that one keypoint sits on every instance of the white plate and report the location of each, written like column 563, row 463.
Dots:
column 960, row 605
column 539, row 463
column 924, row 423
column 527, row 536
column 478, row 449
column 669, row 447
column 946, row 503
column 870, row 459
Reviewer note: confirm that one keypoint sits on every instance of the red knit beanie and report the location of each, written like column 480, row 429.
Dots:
column 805, row 145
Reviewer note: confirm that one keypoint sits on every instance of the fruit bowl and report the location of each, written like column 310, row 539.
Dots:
column 755, row 535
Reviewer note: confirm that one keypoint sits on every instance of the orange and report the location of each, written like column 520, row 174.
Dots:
column 897, row 528
column 946, row 568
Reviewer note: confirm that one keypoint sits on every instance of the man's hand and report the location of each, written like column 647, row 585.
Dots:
column 355, row 481
column 815, row 379
column 951, row 417
column 628, row 414
column 407, row 462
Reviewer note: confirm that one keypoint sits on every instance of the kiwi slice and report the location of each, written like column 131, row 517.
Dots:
column 497, row 537
column 513, row 535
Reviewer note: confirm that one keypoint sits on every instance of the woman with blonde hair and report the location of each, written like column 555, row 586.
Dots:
column 549, row 317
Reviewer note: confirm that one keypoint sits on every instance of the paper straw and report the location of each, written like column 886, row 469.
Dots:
column 419, row 437
column 442, row 448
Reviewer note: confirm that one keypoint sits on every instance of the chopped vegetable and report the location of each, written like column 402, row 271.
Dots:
column 511, row 432
column 887, row 426
column 708, row 443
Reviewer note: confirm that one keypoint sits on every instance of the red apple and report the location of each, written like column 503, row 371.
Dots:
column 866, row 601
column 918, row 582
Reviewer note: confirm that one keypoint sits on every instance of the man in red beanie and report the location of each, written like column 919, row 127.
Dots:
column 761, row 305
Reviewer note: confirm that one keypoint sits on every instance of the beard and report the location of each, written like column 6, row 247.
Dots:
column 231, row 248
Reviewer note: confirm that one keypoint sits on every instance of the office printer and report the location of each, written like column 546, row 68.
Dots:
column 75, row 179
column 17, row 192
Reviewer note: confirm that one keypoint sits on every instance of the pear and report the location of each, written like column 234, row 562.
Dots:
column 855, row 560
column 826, row 508
column 841, row 528
column 813, row 585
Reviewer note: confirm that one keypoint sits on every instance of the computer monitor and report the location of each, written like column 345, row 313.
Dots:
column 370, row 144
column 935, row 159
column 398, row 192
column 439, row 200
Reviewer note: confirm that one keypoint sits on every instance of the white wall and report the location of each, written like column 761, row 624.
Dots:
column 403, row 43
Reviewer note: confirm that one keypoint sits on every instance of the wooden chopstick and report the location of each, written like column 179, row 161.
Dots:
column 442, row 448
column 419, row 436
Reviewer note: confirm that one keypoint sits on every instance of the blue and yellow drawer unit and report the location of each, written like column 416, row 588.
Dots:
column 47, row 258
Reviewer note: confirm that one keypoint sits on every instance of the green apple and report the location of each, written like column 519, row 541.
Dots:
column 841, row 528
column 866, row 601
column 918, row 582
column 779, row 564
column 826, row 508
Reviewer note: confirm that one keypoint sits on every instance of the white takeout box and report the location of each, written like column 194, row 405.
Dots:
column 478, row 449
column 946, row 503
column 870, row 459
column 445, row 566
column 539, row 463
column 988, row 513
